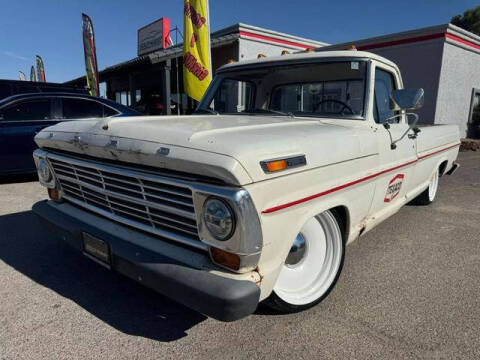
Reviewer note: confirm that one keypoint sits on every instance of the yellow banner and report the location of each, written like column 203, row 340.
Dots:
column 196, row 48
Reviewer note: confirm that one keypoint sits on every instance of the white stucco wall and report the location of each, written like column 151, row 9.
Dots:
column 249, row 49
column 460, row 74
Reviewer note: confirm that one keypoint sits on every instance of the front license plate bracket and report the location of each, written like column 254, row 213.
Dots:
column 96, row 249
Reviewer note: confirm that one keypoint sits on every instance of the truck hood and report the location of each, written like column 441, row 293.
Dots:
column 228, row 147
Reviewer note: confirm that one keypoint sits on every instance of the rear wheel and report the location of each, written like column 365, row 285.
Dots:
column 312, row 267
column 430, row 193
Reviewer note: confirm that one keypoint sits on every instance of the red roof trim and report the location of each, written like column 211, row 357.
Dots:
column 351, row 183
column 418, row 39
column 272, row 39
column 463, row 41
column 402, row 41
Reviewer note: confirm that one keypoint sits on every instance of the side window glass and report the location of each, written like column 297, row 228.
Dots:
column 384, row 84
column 29, row 110
column 81, row 109
column 233, row 96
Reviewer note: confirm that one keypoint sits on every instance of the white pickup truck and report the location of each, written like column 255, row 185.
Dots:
column 253, row 198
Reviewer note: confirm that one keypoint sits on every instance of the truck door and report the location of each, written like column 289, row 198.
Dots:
column 19, row 123
column 396, row 166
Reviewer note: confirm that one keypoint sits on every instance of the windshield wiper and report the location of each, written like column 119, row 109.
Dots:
column 269, row 111
column 206, row 110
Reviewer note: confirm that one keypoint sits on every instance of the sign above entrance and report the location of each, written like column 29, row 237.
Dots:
column 154, row 36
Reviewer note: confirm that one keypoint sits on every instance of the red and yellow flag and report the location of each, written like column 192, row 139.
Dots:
column 197, row 63
column 90, row 54
column 40, row 69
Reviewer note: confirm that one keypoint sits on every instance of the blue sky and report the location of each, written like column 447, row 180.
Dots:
column 52, row 28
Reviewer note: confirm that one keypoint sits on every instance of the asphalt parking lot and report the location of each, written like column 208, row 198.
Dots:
column 409, row 289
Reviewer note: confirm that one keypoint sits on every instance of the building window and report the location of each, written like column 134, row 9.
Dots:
column 123, row 97
column 474, row 119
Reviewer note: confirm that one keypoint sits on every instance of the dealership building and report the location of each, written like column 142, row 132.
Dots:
column 443, row 59
column 158, row 74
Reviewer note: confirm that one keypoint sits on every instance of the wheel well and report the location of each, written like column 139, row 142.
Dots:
column 341, row 213
column 443, row 167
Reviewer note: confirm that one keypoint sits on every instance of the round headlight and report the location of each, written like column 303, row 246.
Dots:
column 219, row 218
column 44, row 171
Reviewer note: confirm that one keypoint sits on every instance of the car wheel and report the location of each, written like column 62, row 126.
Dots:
column 313, row 265
column 430, row 193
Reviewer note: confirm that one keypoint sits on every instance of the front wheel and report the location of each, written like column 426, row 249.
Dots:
column 312, row 267
column 429, row 195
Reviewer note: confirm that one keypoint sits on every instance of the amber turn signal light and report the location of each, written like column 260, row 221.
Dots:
column 276, row 165
column 271, row 166
column 225, row 258
column 54, row 194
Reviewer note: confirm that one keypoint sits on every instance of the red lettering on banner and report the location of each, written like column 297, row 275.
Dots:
column 194, row 66
column 193, row 40
column 196, row 18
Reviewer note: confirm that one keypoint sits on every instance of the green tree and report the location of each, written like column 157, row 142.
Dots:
column 470, row 20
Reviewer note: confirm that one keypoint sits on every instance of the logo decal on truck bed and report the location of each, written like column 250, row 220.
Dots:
column 394, row 187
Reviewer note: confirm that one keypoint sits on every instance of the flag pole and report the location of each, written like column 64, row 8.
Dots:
column 179, row 97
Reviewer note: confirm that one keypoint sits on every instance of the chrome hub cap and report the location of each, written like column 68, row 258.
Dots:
column 297, row 251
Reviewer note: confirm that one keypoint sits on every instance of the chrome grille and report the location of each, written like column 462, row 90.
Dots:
column 158, row 205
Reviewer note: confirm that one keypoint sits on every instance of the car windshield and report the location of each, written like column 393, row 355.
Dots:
column 335, row 89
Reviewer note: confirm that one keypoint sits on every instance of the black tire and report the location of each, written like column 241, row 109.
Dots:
column 277, row 304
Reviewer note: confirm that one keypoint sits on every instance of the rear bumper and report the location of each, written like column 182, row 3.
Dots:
column 216, row 296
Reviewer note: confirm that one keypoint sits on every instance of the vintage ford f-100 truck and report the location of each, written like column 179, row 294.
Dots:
column 255, row 197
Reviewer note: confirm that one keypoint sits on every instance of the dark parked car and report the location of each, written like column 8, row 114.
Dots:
column 15, row 87
column 22, row 116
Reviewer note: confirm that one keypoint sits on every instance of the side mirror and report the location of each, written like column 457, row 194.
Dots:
column 406, row 99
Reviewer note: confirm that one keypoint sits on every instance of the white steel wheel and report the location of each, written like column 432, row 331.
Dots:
column 430, row 193
column 433, row 186
column 312, row 266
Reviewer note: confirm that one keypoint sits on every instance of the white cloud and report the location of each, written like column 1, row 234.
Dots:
column 15, row 56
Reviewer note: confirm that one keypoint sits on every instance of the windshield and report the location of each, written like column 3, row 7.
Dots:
column 335, row 89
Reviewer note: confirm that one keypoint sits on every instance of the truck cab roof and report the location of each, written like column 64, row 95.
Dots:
column 308, row 56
